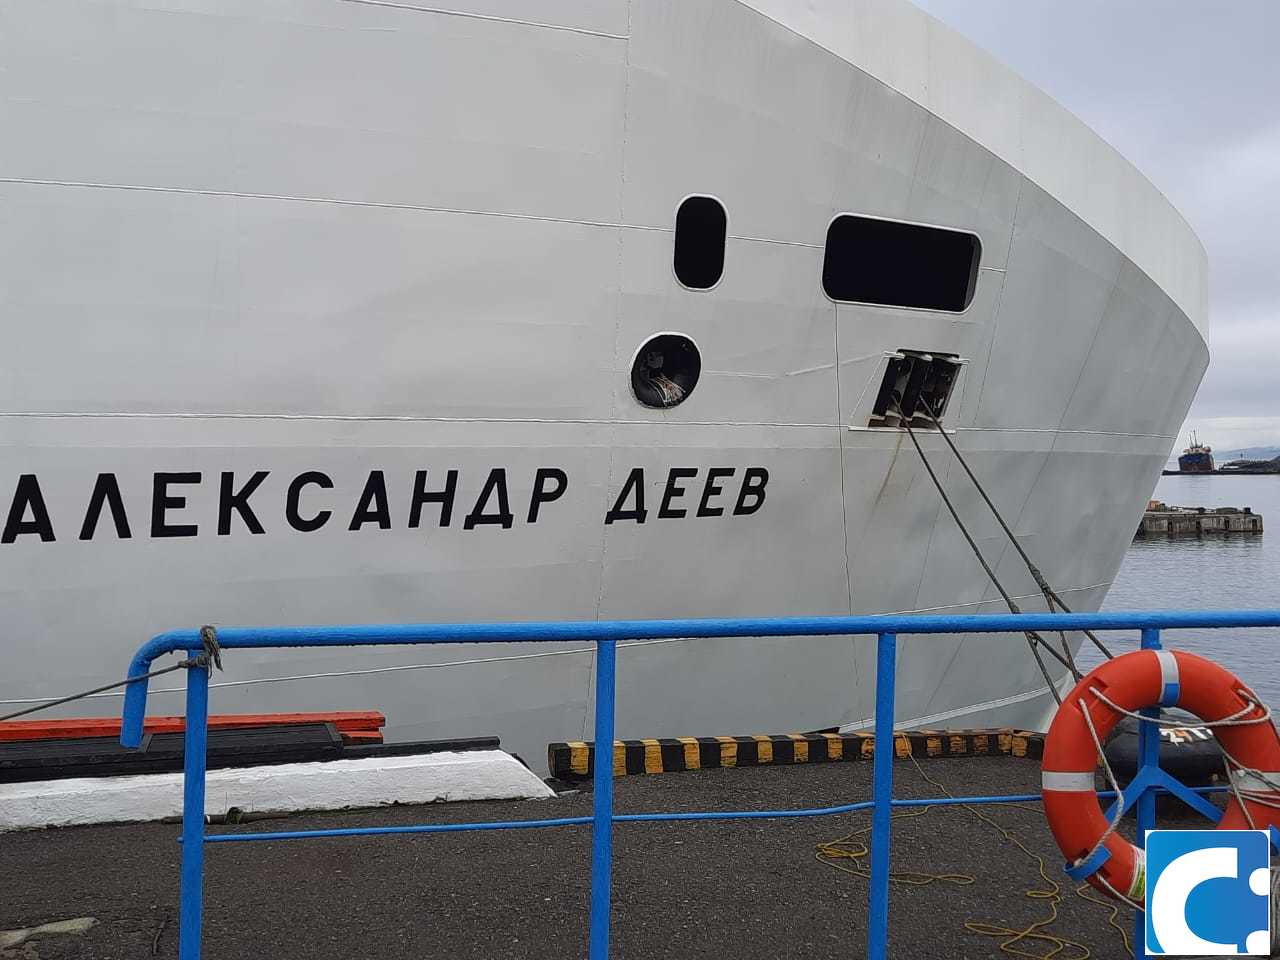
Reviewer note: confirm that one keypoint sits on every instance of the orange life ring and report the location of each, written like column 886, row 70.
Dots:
column 1134, row 681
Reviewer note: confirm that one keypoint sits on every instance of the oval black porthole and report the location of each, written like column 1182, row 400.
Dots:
column 665, row 370
column 701, row 225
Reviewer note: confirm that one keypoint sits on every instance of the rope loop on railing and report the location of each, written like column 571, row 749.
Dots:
column 212, row 652
column 1234, row 720
column 1119, row 804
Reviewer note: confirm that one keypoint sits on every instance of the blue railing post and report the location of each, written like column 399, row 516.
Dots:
column 194, row 748
column 602, row 800
column 1148, row 756
column 882, row 794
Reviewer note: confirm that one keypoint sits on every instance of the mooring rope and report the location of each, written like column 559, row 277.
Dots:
column 1051, row 596
column 211, row 655
column 1034, row 641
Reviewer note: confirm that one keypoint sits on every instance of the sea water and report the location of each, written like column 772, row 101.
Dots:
column 1235, row 571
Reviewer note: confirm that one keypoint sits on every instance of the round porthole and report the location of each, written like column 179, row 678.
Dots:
column 665, row 370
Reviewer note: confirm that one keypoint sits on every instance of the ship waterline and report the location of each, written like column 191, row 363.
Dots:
column 333, row 314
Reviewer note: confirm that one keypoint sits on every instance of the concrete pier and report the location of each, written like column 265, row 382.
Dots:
column 1162, row 520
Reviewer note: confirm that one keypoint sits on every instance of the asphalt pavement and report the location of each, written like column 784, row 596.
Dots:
column 736, row 889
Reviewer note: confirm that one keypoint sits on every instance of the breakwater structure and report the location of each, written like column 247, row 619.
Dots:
column 1162, row 520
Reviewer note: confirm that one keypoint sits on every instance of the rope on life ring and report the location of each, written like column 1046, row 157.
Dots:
column 1121, row 688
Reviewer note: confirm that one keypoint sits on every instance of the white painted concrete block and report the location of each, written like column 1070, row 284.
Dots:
column 333, row 785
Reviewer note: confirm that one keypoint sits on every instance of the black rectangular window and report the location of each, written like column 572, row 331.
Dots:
column 900, row 264
column 701, row 224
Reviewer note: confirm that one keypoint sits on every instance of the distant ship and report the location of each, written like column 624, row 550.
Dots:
column 1197, row 458
column 364, row 311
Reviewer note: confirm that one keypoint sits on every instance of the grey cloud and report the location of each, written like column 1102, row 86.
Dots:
column 1190, row 92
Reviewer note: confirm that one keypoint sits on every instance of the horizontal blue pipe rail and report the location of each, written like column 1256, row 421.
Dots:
column 606, row 635
column 646, row 817
column 588, row 631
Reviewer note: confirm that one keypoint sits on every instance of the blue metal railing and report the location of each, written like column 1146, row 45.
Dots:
column 1142, row 791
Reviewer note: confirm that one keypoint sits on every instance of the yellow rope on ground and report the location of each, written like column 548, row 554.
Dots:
column 848, row 852
column 1085, row 892
column 853, row 848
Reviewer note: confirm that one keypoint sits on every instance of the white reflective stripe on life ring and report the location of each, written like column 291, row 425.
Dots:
column 1069, row 782
column 1170, row 679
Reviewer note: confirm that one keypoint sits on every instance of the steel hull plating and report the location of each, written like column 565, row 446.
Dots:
column 344, row 243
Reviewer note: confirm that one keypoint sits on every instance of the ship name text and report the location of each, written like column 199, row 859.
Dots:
column 310, row 500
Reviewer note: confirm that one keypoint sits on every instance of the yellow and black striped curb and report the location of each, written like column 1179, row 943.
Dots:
column 576, row 761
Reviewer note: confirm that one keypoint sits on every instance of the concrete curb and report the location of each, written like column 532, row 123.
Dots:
column 333, row 785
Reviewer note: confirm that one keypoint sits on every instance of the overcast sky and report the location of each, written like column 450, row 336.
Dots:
column 1189, row 90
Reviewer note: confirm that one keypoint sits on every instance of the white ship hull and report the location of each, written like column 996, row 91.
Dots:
column 345, row 242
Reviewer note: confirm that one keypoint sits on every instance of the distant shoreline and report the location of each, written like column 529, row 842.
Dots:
column 1220, row 473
